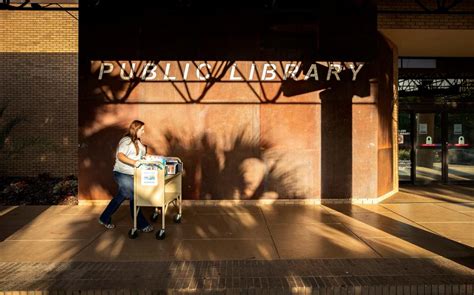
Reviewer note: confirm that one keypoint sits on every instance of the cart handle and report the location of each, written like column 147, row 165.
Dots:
column 149, row 162
column 174, row 158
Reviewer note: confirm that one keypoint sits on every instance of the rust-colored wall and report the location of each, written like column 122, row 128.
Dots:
column 232, row 145
column 364, row 147
column 387, row 59
column 244, row 139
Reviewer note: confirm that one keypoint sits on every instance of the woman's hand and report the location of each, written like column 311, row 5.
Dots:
column 127, row 160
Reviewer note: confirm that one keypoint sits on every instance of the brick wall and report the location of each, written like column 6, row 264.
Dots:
column 38, row 83
column 38, row 31
column 406, row 14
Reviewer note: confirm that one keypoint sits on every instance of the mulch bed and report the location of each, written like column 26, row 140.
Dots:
column 40, row 190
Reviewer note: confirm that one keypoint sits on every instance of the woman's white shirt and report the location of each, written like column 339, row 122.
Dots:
column 127, row 147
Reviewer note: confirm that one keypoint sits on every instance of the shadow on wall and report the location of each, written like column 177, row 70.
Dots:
column 117, row 81
column 250, row 169
column 336, row 143
column 114, row 90
column 97, row 158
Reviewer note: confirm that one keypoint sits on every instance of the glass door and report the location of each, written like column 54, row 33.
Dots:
column 460, row 147
column 404, row 146
column 435, row 147
column 428, row 147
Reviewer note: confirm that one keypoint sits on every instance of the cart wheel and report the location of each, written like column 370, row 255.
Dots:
column 154, row 216
column 177, row 218
column 160, row 235
column 133, row 233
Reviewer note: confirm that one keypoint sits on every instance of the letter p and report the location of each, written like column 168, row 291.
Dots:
column 105, row 68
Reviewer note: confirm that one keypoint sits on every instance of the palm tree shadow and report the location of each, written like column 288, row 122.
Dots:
column 241, row 172
column 97, row 158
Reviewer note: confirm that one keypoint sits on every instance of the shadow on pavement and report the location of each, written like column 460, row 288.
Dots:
column 13, row 218
column 434, row 243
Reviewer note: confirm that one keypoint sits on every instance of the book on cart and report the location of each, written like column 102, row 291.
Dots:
column 173, row 165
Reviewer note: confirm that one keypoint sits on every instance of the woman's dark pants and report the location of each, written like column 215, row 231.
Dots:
column 125, row 191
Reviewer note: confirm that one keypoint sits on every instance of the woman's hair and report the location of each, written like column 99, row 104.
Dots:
column 132, row 132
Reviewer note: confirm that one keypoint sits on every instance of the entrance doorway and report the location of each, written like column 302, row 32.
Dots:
column 436, row 147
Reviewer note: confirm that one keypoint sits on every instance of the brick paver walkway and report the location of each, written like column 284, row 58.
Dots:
column 414, row 243
column 309, row 276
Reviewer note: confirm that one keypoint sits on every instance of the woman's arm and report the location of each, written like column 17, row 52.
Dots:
column 125, row 159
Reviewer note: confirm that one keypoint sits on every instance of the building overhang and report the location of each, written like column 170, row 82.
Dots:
column 432, row 42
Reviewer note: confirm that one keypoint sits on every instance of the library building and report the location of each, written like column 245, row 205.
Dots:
column 309, row 101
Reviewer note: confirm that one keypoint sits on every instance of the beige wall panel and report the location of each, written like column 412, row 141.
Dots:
column 435, row 43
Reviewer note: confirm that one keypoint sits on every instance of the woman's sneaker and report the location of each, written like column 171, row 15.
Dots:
column 147, row 229
column 107, row 225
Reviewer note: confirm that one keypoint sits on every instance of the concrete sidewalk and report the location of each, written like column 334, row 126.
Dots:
column 413, row 236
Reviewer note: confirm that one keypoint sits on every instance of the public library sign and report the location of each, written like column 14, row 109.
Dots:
column 225, row 71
